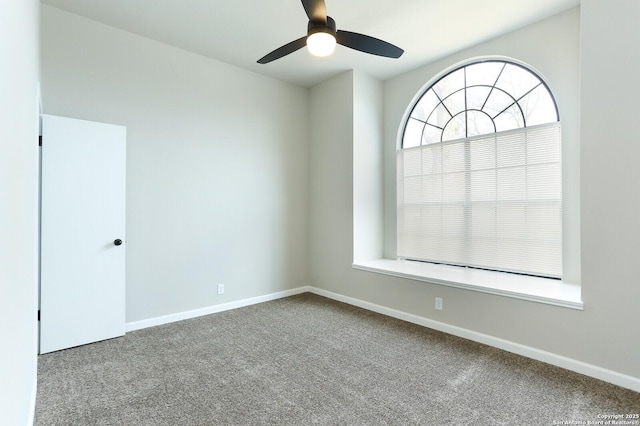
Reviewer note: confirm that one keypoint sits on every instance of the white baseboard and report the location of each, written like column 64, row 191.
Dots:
column 152, row 322
column 590, row 370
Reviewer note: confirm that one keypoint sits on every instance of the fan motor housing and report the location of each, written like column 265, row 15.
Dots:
column 322, row 27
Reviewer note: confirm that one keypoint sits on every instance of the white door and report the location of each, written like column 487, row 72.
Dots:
column 82, row 286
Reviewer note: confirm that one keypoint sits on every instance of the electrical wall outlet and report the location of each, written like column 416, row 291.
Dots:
column 220, row 288
column 439, row 303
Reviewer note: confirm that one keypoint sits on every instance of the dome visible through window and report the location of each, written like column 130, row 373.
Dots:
column 479, row 98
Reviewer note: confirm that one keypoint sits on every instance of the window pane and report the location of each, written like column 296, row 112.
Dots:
column 544, row 182
column 509, row 119
column 412, row 133
column 483, row 153
column 453, row 179
column 548, row 218
column 497, row 102
column 412, row 189
column 483, row 73
column 454, row 187
column 456, row 128
column 511, row 184
column 432, row 160
column 430, row 222
column 483, row 220
column 412, row 163
column 483, row 231
column 539, row 107
column 410, row 236
column 432, row 188
column 543, row 145
column 425, row 105
column 455, row 103
column 439, row 117
column 511, row 150
column 431, row 135
column 512, row 221
column 453, row 232
column 483, row 185
column 479, row 123
column 453, row 157
column 477, row 96
column 450, row 83
column 516, row 81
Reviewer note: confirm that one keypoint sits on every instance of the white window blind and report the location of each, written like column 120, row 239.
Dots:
column 492, row 201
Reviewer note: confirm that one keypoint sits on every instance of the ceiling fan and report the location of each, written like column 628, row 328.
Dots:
column 322, row 37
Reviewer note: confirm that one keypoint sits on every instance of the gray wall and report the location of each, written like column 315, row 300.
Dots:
column 609, row 126
column 216, row 163
column 599, row 249
column 19, row 58
column 331, row 181
column 368, row 142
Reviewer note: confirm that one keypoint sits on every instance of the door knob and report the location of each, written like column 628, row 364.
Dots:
column 117, row 242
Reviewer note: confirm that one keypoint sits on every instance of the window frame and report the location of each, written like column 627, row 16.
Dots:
column 451, row 70
column 432, row 84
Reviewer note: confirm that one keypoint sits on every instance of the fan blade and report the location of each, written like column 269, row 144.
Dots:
column 367, row 44
column 284, row 50
column 316, row 10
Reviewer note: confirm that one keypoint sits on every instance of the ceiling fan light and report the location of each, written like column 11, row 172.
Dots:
column 321, row 43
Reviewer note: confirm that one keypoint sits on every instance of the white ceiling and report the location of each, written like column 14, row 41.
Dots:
column 240, row 32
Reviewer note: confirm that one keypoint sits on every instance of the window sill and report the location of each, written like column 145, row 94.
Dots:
column 535, row 289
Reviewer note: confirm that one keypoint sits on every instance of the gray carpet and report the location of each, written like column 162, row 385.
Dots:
column 310, row 360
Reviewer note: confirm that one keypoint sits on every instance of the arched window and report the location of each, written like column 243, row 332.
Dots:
column 479, row 172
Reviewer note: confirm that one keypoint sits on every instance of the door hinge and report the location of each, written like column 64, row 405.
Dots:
column 39, row 140
column 38, row 314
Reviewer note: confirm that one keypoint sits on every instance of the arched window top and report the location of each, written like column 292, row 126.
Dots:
column 478, row 98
